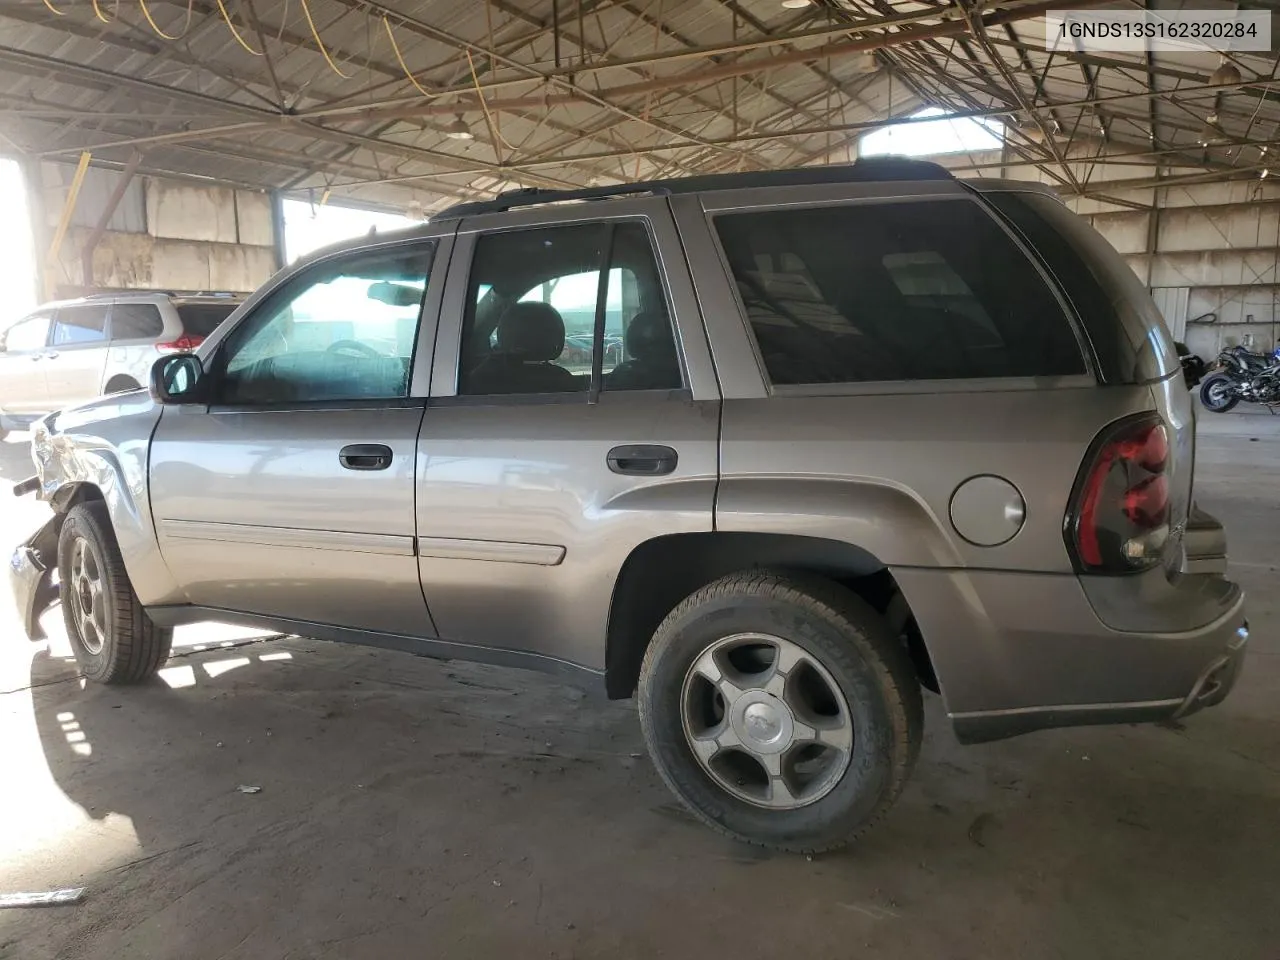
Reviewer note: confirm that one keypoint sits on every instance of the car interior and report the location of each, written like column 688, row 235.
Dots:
column 514, row 340
column 909, row 300
column 348, row 335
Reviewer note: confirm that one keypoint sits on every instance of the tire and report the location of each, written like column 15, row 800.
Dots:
column 113, row 638
column 121, row 385
column 842, row 642
column 1212, row 395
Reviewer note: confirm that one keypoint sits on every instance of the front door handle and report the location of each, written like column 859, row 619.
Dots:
column 642, row 459
column 365, row 456
column 51, row 355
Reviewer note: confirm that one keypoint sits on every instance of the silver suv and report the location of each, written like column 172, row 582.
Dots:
column 773, row 453
column 72, row 351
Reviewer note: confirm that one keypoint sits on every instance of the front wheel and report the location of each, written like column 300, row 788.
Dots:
column 781, row 710
column 113, row 638
column 1217, row 393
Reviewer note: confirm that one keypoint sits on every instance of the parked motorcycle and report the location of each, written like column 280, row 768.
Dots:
column 1240, row 374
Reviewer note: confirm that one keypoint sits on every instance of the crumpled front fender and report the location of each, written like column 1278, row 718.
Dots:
column 99, row 450
column 31, row 575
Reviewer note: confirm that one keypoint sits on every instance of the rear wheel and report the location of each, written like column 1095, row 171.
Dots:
column 781, row 710
column 121, row 384
column 1217, row 393
column 113, row 638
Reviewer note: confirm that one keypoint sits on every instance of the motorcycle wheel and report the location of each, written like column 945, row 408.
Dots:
column 1216, row 395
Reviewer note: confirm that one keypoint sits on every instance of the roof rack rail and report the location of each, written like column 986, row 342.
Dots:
column 532, row 196
column 861, row 170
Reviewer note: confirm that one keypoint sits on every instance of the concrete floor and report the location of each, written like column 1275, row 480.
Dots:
column 424, row 809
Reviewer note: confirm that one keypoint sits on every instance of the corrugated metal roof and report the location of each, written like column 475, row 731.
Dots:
column 627, row 92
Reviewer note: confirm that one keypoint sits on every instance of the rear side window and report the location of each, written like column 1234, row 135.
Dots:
column 550, row 307
column 894, row 291
column 136, row 321
column 201, row 319
column 75, row 325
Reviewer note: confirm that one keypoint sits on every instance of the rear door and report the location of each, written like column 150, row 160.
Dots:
column 77, row 354
column 292, row 494
column 134, row 330
column 22, row 383
column 563, row 428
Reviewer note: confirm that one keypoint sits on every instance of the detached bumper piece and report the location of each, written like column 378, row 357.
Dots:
column 31, row 576
column 1204, row 545
column 1218, row 678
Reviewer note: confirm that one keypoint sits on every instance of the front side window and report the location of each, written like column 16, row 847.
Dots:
column 31, row 333
column 80, row 325
column 343, row 330
column 894, row 291
column 538, row 316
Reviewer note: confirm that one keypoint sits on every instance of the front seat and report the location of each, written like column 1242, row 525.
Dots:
column 652, row 351
column 529, row 336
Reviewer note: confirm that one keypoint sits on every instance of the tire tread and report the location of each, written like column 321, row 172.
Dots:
column 137, row 647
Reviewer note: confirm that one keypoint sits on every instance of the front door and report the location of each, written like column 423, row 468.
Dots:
column 292, row 494
column 563, row 429
column 77, row 354
column 23, row 390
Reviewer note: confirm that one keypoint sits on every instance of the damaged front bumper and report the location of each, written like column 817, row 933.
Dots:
column 31, row 574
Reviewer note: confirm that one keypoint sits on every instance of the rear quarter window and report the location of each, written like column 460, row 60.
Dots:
column 1107, row 296
column 201, row 319
column 136, row 321
column 921, row 290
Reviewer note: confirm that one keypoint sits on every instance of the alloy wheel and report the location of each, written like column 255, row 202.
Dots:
column 88, row 600
column 766, row 721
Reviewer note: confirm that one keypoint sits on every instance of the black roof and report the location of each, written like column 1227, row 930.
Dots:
column 861, row 170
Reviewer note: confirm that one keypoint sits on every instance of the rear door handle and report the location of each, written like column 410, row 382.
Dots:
column 642, row 459
column 365, row 456
column 51, row 355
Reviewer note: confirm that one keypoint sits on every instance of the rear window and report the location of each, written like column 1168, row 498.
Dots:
column 201, row 319
column 136, row 321
column 894, row 291
column 1099, row 284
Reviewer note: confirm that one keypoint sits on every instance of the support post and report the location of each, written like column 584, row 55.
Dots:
column 277, row 229
column 99, row 228
column 64, row 223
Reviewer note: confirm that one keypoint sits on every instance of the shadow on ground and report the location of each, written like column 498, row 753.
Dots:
column 410, row 806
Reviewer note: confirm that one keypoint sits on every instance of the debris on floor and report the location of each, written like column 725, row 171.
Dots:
column 43, row 898
column 247, row 788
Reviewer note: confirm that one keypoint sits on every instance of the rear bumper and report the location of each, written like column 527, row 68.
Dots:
column 1021, row 652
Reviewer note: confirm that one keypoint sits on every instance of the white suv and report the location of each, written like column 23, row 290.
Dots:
column 75, row 350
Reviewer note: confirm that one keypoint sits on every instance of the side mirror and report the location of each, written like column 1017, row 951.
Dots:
column 178, row 379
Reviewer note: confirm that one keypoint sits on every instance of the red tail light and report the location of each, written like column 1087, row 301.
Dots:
column 1120, row 517
column 184, row 344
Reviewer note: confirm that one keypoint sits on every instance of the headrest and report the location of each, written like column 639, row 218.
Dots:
column 532, row 331
column 649, row 337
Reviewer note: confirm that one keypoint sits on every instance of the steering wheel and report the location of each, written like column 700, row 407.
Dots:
column 355, row 346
